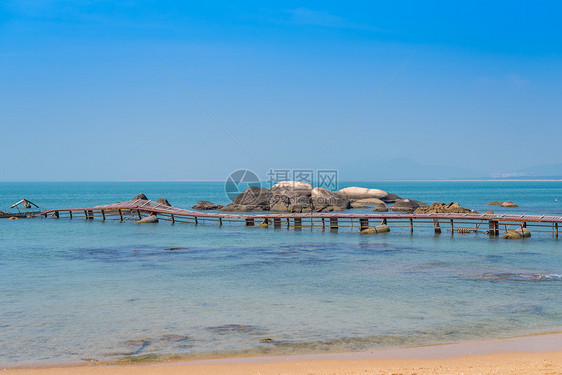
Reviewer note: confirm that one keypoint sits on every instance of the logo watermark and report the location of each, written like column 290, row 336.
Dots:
column 240, row 180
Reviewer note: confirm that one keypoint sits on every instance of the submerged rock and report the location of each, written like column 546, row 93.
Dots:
column 517, row 234
column 509, row 204
column 206, row 205
column 383, row 228
column 148, row 219
column 495, row 203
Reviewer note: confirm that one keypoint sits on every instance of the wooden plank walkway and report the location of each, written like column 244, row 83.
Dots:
column 462, row 223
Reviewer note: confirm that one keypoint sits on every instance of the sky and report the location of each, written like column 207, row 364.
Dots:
column 161, row 90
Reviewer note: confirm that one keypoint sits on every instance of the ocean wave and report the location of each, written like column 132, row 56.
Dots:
column 519, row 276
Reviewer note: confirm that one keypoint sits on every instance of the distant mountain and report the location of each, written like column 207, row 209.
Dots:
column 403, row 169
column 539, row 171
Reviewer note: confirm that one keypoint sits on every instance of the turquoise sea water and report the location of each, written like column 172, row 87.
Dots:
column 74, row 289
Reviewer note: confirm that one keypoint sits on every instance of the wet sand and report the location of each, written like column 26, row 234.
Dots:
column 541, row 354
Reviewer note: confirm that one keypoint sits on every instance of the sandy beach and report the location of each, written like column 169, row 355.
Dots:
column 541, row 354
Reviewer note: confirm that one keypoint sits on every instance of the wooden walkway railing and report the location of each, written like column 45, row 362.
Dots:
column 463, row 223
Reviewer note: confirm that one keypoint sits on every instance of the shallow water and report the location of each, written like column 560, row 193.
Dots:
column 77, row 289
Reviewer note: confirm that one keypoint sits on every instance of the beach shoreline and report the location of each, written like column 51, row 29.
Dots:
column 508, row 355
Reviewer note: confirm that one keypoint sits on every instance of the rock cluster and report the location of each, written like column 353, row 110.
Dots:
column 503, row 204
column 442, row 208
column 288, row 196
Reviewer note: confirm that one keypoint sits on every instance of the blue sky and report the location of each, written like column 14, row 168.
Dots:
column 81, row 97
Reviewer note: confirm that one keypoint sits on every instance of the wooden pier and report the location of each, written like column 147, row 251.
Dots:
column 491, row 224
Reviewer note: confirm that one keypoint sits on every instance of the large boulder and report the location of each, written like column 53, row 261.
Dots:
column 405, row 205
column 163, row 202
column 442, row 208
column 355, row 193
column 206, row 205
column 140, row 196
column 322, row 198
column 298, row 192
column 254, row 198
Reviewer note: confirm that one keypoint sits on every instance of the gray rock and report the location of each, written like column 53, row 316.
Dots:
column 381, row 207
column 355, row 192
column 322, row 198
column 404, row 205
column 140, row 196
column 254, row 196
column 206, row 205
column 164, row 202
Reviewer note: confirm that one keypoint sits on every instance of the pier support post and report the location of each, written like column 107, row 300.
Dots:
column 220, row 221
column 173, row 218
column 138, row 213
column 56, row 214
column 334, row 223
column 249, row 222
column 121, row 215
column 411, row 225
column 363, row 223
column 103, row 214
column 297, row 221
column 70, row 214
column 436, row 226
column 276, row 222
column 556, row 229
column 197, row 222
column 494, row 228
column 452, row 227
column 323, row 224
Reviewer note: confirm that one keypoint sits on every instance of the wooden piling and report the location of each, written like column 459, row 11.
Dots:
column 333, row 223
column 121, row 214
column 436, row 226
column 494, row 228
column 411, row 225
column 103, row 214
column 70, row 214
column 277, row 222
column 297, row 222
column 249, row 222
column 363, row 223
